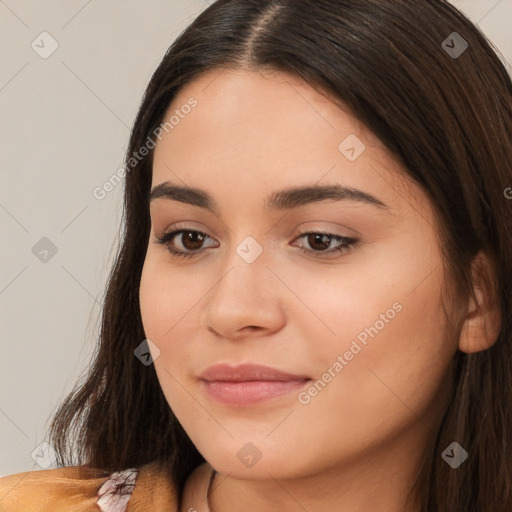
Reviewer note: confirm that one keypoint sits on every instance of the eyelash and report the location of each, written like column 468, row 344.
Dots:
column 348, row 244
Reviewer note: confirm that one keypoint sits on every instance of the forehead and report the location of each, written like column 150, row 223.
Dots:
column 255, row 131
column 255, row 107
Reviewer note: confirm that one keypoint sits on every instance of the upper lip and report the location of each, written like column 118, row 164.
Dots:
column 247, row 372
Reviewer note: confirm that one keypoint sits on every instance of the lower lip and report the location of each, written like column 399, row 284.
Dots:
column 250, row 392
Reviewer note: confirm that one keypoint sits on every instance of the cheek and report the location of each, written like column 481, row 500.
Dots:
column 409, row 361
column 167, row 298
column 166, row 304
column 389, row 356
column 381, row 348
column 170, row 304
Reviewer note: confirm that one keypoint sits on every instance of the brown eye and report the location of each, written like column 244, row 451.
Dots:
column 320, row 243
column 191, row 240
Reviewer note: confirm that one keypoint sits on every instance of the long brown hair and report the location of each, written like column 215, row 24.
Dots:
column 446, row 117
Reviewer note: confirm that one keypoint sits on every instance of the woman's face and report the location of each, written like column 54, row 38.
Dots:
column 364, row 324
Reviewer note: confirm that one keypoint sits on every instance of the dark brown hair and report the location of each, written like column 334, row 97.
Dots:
column 446, row 118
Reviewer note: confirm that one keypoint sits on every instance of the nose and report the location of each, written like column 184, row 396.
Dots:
column 245, row 301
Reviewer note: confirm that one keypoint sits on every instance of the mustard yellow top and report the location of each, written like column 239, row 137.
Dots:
column 72, row 489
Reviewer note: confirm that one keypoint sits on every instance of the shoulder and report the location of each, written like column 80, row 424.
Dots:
column 81, row 489
column 58, row 489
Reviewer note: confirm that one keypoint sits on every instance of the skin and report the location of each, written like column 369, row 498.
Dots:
column 358, row 443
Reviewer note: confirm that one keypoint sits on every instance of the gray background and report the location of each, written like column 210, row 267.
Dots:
column 65, row 123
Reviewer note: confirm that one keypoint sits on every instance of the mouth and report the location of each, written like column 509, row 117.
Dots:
column 248, row 384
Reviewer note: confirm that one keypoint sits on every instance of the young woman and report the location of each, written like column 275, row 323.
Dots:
column 311, row 306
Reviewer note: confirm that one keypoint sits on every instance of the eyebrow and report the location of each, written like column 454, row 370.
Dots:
column 280, row 200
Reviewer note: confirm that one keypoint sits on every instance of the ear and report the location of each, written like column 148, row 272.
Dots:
column 482, row 324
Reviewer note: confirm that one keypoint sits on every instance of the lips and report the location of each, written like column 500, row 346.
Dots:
column 248, row 384
column 247, row 373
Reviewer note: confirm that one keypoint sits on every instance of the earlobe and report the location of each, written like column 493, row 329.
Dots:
column 483, row 321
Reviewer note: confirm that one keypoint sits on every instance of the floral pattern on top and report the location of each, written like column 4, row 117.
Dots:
column 114, row 494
